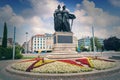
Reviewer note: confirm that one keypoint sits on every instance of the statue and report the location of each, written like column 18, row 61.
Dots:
column 58, row 19
column 61, row 20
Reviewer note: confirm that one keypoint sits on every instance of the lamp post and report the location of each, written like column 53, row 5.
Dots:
column 14, row 43
column 89, row 43
column 93, row 40
column 26, row 42
column 14, row 35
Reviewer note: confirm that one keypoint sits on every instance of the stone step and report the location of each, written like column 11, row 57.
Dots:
column 63, row 56
column 65, row 52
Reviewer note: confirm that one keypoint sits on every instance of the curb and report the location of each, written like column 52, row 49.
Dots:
column 47, row 75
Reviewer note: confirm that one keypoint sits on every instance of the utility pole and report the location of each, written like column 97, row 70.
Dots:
column 14, row 43
column 26, row 42
column 89, row 43
column 93, row 40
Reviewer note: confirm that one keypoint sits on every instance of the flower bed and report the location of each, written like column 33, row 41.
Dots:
column 39, row 65
column 101, row 65
column 60, row 67
column 22, row 66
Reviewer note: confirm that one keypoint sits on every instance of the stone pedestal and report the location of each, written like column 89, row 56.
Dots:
column 63, row 43
column 64, row 47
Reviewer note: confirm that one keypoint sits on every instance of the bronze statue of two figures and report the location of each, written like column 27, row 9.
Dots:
column 61, row 20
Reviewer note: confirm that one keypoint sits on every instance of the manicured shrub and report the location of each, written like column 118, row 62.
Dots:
column 2, row 52
column 7, row 53
column 18, row 55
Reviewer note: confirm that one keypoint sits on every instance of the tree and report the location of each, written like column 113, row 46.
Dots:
column 18, row 54
column 6, row 53
column 4, row 40
column 82, row 48
column 112, row 43
column 97, row 44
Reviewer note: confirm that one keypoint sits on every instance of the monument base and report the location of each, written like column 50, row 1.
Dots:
column 63, row 43
column 64, row 46
column 63, row 56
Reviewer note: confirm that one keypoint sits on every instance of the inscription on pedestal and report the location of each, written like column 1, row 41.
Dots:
column 63, row 43
column 65, row 39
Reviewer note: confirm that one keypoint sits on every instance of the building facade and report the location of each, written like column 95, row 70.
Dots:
column 42, row 42
column 84, row 42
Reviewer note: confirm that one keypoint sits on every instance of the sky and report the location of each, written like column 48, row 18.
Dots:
column 36, row 17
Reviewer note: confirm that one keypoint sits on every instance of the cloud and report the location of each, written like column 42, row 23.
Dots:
column 35, row 20
column 37, row 25
column 39, row 19
column 115, row 3
column 42, row 8
column 100, row 17
column 81, row 18
column 116, row 31
column 89, row 15
column 6, row 13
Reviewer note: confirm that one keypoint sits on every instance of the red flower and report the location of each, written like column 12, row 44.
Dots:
column 37, row 61
column 32, row 66
column 71, row 62
column 84, row 61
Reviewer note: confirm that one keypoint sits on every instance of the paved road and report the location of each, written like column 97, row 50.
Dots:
column 7, row 76
column 104, row 54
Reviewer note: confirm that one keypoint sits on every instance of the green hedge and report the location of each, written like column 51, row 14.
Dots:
column 7, row 53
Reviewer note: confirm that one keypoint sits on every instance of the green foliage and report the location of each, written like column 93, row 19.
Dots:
column 7, row 53
column 4, row 40
column 112, row 43
column 17, row 52
column 31, row 57
column 82, row 48
column 97, row 44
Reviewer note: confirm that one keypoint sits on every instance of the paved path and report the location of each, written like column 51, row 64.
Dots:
column 7, row 76
column 103, row 54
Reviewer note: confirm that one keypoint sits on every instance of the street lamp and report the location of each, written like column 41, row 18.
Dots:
column 14, row 43
column 26, row 42
column 13, row 56
column 93, row 40
column 89, row 43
